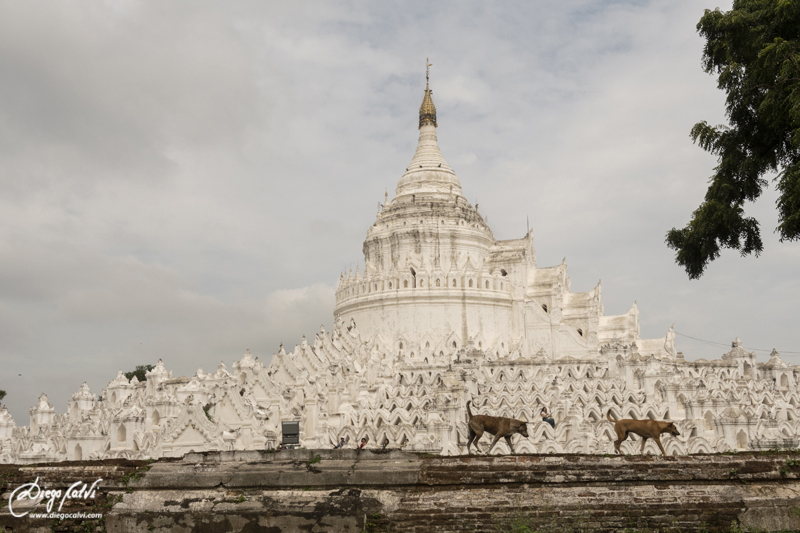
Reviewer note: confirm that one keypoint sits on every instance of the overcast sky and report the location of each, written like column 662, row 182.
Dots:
column 186, row 180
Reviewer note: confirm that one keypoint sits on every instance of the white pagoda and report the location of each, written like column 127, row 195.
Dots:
column 442, row 313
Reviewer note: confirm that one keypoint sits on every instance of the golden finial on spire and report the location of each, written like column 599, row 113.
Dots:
column 427, row 71
column 427, row 111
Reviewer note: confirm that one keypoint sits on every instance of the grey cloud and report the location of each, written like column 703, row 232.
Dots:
column 89, row 94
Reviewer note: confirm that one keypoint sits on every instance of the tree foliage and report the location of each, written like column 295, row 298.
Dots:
column 755, row 50
column 2, row 395
column 140, row 372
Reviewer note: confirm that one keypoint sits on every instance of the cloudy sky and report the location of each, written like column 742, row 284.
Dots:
column 187, row 180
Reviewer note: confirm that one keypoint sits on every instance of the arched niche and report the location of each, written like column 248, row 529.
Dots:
column 741, row 440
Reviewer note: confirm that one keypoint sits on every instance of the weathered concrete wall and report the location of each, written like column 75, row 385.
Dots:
column 345, row 490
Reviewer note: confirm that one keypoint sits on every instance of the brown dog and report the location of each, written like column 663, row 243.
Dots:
column 499, row 426
column 647, row 429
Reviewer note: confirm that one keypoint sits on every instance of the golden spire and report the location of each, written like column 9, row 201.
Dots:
column 427, row 111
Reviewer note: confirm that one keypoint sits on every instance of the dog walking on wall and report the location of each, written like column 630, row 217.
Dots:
column 499, row 426
column 647, row 429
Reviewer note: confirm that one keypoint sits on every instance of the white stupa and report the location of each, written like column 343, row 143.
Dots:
column 435, row 278
column 442, row 313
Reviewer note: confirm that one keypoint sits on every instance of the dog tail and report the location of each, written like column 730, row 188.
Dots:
column 608, row 416
column 469, row 412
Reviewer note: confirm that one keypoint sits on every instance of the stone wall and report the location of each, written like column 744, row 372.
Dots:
column 345, row 490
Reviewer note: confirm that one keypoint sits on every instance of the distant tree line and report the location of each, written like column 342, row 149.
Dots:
column 140, row 372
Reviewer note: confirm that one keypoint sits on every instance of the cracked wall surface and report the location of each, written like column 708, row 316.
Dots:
column 345, row 490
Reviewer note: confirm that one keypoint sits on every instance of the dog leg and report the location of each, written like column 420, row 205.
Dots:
column 497, row 438
column 471, row 438
column 620, row 438
column 660, row 447
column 475, row 441
column 644, row 441
column 510, row 446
